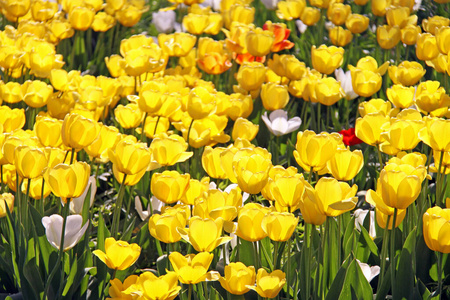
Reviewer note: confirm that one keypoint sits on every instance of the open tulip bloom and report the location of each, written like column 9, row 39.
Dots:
column 278, row 122
column 73, row 232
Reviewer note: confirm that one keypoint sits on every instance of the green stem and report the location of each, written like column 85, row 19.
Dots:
column 156, row 126
column 380, row 157
column 190, row 292
column 275, row 255
column 255, row 254
column 439, row 266
column 392, row 264
column 143, row 128
column 118, row 208
column 439, row 176
column 384, row 249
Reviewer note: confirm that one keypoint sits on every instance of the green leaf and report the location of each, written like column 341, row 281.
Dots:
column 367, row 241
column 355, row 285
column 404, row 280
column 245, row 253
column 33, row 276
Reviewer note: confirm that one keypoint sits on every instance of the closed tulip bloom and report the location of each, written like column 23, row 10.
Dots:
column 118, row 255
column 11, row 119
column 249, row 222
column 201, row 103
column 35, row 191
column 237, row 277
column 164, row 227
column 278, row 123
column 399, row 16
column 436, row 229
column 259, row 42
column 338, row 13
column 77, row 132
column 382, row 218
column 410, row 33
column 340, row 37
column 379, row 8
column 426, row 48
column 310, row 16
column 108, row 138
column 11, row 92
column 6, row 200
column 73, row 232
column 68, row 181
column 252, row 172
column 204, row 234
column 369, row 128
column 240, row 106
column 388, row 36
column 407, row 73
column 103, row 22
column 129, row 116
column 328, row 91
column 431, row 24
column 268, row 285
column 436, row 134
column 211, row 162
column 244, row 129
column 276, row 172
column 342, row 200
column 251, row 75
column 36, row 93
column 195, row 190
column 432, row 99
column 169, row 150
column 310, row 208
column 193, row 268
column 374, row 106
column 169, row 186
column 279, row 226
column 400, row 185
column 48, row 131
column 150, row 287
column 30, row 162
column 365, row 83
column 357, row 23
column 195, row 23
column 239, row 13
column 81, row 17
column 130, row 157
column 314, row 150
column 326, row 59
column 443, row 39
column 217, row 204
column 290, row 9
column 274, row 96
column 177, row 44
column 287, row 191
column 345, row 164
column 403, row 134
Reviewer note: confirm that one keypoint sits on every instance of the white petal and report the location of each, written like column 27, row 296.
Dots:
column 279, row 113
column 294, row 124
column 138, row 205
column 279, row 126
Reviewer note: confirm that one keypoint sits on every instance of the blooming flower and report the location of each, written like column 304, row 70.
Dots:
column 72, row 233
column 164, row 21
column 278, row 122
column 345, row 79
column 368, row 271
column 349, row 137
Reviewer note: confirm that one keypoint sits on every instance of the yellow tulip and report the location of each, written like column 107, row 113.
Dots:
column 326, row 59
column 6, row 199
column 436, row 229
column 251, row 75
column 130, row 157
column 338, row 13
column 108, row 138
column 432, row 99
column 129, row 116
column 345, row 164
column 68, row 181
column 403, row 134
column 204, row 234
column 314, row 150
column 268, row 285
column 369, row 128
column 211, row 162
column 252, row 170
column 259, row 42
column 435, row 134
column 244, row 129
column 342, row 200
column 310, row 16
column 164, row 227
column 279, row 226
column 328, row 91
column 78, row 132
column 81, row 17
column 287, row 190
column 290, row 9
column 401, row 96
column 103, row 22
column 201, row 103
column 249, row 222
column 340, row 37
column 48, row 131
column 35, row 191
column 237, row 277
column 195, row 190
column 177, row 44
column 409, row 34
column 169, row 186
column 357, row 23
column 274, row 96
column 374, row 106
column 11, row 119
column 148, row 286
column 310, row 208
column 407, row 73
column 193, row 268
column 426, row 47
column 216, row 204
column 30, row 162
column 118, row 255
column 36, row 93
column 364, row 82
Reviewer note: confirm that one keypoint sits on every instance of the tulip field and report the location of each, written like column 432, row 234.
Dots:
column 224, row 149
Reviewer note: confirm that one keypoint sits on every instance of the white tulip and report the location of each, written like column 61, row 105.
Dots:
column 301, row 26
column 76, row 205
column 278, row 122
column 360, row 215
column 156, row 205
column 214, row 4
column 164, row 21
column 368, row 271
column 346, row 83
column 72, row 233
column 270, row 4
